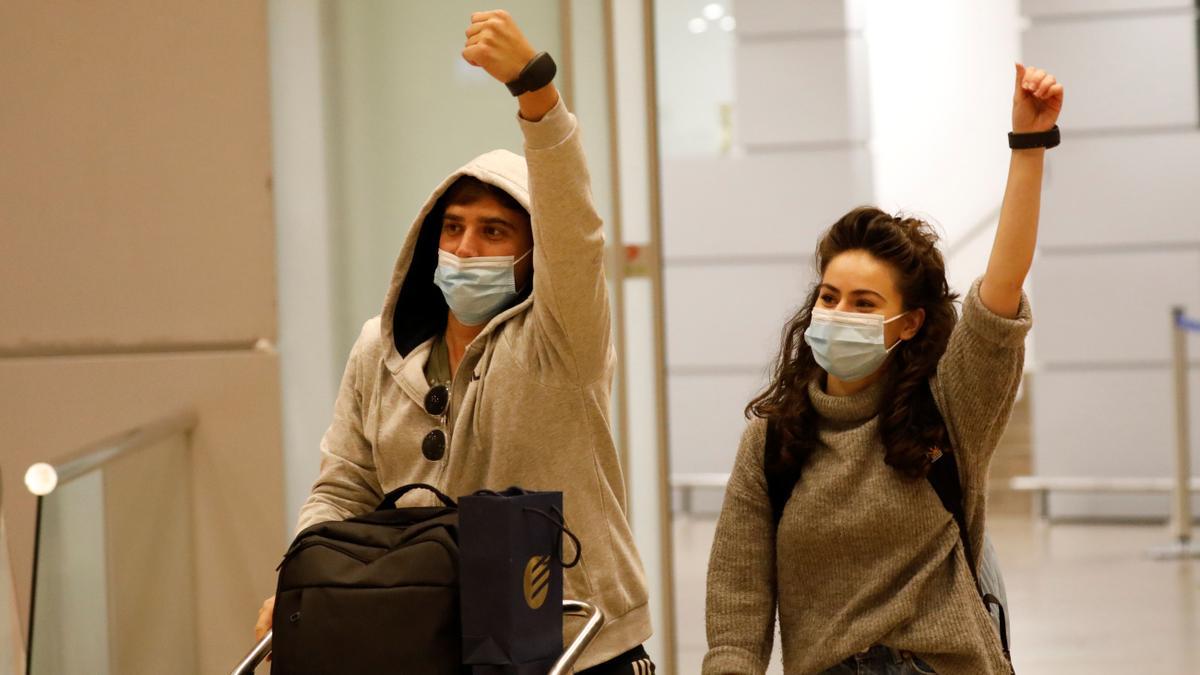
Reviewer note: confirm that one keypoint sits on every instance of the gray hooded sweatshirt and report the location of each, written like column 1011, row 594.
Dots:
column 529, row 404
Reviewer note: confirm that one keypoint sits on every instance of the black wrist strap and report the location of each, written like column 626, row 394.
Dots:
column 539, row 72
column 1037, row 139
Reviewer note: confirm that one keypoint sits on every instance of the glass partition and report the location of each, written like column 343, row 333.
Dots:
column 114, row 578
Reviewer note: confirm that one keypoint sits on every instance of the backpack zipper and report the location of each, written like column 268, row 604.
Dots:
column 321, row 542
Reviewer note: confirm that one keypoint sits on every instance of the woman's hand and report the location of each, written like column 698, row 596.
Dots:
column 1037, row 100
column 1036, row 103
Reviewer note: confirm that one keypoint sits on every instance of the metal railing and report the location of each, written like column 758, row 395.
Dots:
column 42, row 478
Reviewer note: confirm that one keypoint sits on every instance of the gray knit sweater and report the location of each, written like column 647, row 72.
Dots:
column 862, row 555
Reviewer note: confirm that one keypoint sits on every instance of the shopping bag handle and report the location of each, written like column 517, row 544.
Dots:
column 513, row 491
column 561, row 526
column 390, row 499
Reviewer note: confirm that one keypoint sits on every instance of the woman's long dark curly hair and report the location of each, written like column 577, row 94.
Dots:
column 909, row 420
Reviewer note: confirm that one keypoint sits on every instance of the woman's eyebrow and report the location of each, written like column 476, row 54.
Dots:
column 860, row 291
column 867, row 291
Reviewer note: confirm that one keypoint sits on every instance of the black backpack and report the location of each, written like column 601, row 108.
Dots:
column 393, row 568
column 943, row 476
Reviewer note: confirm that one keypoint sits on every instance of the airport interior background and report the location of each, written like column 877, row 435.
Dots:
column 201, row 203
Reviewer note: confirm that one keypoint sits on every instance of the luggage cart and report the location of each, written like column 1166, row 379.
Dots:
column 595, row 620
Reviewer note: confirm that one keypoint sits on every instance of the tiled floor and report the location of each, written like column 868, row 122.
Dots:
column 1083, row 598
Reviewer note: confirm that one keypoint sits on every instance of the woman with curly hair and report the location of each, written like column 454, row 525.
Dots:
column 828, row 517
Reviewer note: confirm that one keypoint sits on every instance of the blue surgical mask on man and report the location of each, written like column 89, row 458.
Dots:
column 477, row 289
column 848, row 345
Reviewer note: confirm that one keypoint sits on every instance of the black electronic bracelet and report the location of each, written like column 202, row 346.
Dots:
column 1037, row 139
column 536, row 74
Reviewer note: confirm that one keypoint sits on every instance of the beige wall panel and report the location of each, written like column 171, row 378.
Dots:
column 51, row 406
column 151, row 555
column 12, row 648
column 135, row 204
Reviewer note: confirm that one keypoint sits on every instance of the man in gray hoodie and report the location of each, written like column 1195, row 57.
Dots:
column 491, row 364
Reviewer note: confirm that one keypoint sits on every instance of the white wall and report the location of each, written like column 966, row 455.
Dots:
column 941, row 105
column 1120, row 244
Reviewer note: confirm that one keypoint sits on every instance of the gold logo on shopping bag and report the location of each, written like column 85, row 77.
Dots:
column 537, row 581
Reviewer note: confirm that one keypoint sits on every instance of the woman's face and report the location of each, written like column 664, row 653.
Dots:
column 856, row 281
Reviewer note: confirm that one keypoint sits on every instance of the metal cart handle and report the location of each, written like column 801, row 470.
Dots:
column 595, row 620
column 590, row 629
column 255, row 657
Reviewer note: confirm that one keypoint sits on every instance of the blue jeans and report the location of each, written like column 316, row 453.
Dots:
column 880, row 660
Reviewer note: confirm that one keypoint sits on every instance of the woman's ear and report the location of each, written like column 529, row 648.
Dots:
column 912, row 323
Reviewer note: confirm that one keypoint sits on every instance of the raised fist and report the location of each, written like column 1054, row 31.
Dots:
column 1037, row 100
column 495, row 44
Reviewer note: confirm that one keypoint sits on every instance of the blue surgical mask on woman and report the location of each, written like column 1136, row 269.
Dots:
column 477, row 289
column 848, row 345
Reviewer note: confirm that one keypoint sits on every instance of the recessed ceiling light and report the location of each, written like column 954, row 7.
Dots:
column 713, row 11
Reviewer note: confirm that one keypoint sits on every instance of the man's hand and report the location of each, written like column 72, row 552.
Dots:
column 264, row 620
column 1037, row 100
column 495, row 44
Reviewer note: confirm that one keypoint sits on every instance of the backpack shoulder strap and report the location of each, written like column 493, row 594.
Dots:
column 943, row 476
column 779, row 484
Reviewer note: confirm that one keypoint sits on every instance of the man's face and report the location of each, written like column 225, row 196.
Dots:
column 486, row 228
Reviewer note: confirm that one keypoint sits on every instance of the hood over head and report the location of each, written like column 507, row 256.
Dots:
column 414, row 309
